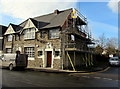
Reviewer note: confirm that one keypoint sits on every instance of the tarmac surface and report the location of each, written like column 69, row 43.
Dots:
column 29, row 79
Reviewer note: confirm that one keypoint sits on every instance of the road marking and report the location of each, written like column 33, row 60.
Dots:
column 107, row 78
column 91, row 72
column 104, row 69
column 97, row 77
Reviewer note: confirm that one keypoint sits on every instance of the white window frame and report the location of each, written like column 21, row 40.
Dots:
column 40, row 55
column 29, row 33
column 17, row 37
column 54, row 33
column 10, row 37
column 30, row 51
column 8, row 50
column 58, row 54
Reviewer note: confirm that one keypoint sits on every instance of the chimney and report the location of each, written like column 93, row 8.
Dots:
column 56, row 11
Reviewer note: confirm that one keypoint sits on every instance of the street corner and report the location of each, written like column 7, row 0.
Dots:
column 98, row 70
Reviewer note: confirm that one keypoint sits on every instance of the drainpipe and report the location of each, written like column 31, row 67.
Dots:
column 12, row 43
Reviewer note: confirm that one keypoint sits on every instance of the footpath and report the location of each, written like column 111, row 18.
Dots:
column 82, row 70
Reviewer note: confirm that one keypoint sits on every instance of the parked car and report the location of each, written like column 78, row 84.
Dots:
column 10, row 61
column 114, row 61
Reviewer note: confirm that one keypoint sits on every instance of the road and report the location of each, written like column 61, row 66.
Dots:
column 29, row 78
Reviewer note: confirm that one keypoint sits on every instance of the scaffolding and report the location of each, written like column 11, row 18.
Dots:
column 76, row 29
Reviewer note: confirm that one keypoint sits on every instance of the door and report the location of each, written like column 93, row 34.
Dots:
column 49, row 58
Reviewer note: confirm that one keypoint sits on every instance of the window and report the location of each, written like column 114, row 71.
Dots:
column 17, row 37
column 57, row 53
column 42, row 35
column 72, row 37
column 29, row 33
column 8, row 50
column 40, row 53
column 30, row 51
column 10, row 37
column 54, row 33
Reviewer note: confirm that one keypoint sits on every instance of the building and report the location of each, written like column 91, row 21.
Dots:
column 56, row 40
column 2, row 31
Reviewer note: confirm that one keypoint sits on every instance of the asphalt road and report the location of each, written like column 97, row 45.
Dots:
column 29, row 78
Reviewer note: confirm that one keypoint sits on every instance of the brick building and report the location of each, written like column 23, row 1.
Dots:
column 56, row 40
column 2, row 31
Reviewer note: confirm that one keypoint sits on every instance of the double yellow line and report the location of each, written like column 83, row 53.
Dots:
column 91, row 72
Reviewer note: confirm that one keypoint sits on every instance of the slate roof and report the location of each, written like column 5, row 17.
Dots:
column 45, row 21
column 49, row 20
column 2, row 30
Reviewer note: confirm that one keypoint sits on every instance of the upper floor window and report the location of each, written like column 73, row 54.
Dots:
column 54, row 33
column 42, row 35
column 17, row 37
column 29, row 33
column 10, row 37
column 71, row 37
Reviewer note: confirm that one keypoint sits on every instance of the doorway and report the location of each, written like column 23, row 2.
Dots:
column 49, row 58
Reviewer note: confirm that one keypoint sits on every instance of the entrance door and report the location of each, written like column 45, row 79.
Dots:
column 49, row 58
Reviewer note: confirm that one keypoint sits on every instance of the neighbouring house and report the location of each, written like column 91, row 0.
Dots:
column 2, row 31
column 57, row 40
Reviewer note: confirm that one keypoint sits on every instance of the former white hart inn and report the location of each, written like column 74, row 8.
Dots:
column 57, row 40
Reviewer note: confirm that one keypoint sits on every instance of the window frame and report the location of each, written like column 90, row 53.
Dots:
column 29, row 33
column 9, row 38
column 58, row 54
column 42, row 34
column 54, row 33
column 30, row 51
column 17, row 37
column 8, row 49
column 40, row 54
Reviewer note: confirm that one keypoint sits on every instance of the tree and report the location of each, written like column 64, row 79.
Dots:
column 102, row 41
column 98, row 49
column 111, row 45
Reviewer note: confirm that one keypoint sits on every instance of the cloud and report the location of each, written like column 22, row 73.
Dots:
column 113, row 5
column 24, row 9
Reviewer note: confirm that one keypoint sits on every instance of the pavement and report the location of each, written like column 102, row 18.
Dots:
column 94, row 69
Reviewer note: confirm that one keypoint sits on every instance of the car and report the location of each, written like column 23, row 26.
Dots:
column 114, row 61
column 9, row 61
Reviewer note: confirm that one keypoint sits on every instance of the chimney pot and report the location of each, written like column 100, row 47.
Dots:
column 56, row 11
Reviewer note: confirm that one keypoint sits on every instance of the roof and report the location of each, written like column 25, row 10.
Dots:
column 2, row 29
column 16, row 27
column 49, row 20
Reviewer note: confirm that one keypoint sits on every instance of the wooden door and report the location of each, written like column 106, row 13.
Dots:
column 49, row 58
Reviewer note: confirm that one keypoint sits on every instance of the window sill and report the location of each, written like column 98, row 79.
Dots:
column 40, row 56
column 31, row 58
column 28, row 39
column 57, row 57
column 53, row 38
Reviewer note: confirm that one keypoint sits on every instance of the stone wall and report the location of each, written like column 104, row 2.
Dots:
column 37, row 43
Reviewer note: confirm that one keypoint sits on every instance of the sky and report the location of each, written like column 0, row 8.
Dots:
column 102, row 16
